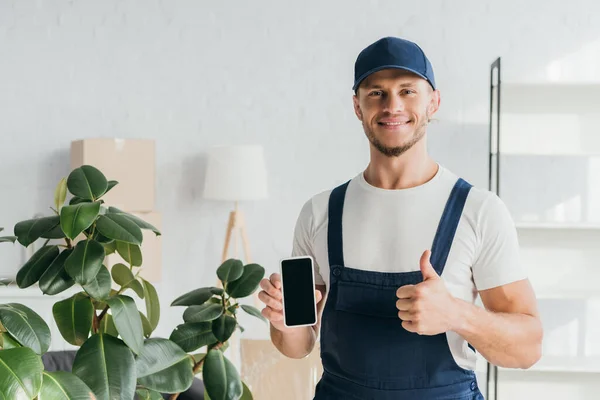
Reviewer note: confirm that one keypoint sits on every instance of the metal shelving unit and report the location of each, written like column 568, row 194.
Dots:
column 579, row 148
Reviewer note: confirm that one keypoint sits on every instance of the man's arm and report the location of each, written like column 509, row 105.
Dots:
column 508, row 333
column 291, row 342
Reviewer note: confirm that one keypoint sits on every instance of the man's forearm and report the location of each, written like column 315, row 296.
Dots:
column 294, row 342
column 506, row 340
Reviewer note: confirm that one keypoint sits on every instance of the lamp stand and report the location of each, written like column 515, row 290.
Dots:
column 235, row 227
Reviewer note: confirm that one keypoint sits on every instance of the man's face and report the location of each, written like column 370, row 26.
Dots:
column 394, row 107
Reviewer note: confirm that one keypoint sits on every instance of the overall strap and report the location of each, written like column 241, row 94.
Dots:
column 335, row 243
column 448, row 224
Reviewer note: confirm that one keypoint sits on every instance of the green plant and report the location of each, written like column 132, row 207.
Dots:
column 117, row 356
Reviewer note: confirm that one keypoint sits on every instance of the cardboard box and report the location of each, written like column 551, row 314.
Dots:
column 151, row 250
column 272, row 376
column 131, row 162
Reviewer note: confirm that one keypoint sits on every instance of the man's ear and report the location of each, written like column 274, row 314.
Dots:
column 434, row 104
column 357, row 109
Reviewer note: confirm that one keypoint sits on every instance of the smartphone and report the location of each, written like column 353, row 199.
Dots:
column 298, row 291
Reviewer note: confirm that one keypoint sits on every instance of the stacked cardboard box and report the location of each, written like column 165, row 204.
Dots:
column 132, row 163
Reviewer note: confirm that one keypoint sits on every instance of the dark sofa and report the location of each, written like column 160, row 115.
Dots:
column 63, row 361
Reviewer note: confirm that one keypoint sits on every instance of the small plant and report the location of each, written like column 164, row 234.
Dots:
column 117, row 357
column 211, row 319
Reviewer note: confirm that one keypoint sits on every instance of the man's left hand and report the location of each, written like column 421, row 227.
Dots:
column 426, row 308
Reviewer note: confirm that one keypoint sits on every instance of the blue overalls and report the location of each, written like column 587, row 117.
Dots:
column 366, row 353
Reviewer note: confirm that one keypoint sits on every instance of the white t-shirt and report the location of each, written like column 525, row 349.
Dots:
column 388, row 231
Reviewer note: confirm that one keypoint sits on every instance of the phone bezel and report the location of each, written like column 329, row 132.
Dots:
column 312, row 274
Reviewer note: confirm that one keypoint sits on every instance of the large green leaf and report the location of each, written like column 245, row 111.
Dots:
column 56, row 279
column 87, row 182
column 152, row 303
column 192, row 336
column 110, row 248
column 247, row 394
column 35, row 267
column 230, row 270
column 247, row 283
column 75, row 219
column 74, row 317
column 76, row 200
column 9, row 307
column 147, row 394
column 26, row 327
column 61, row 385
column 127, row 320
column 6, row 239
column 85, row 262
column 107, row 325
column 138, row 221
column 99, row 288
column 164, row 367
column 20, row 374
column 31, row 230
column 107, row 366
column 220, row 377
column 130, row 253
column 137, row 287
column 102, row 239
column 7, row 341
column 60, row 194
column 223, row 327
column 119, row 227
column 54, row 233
column 111, row 184
column 196, row 297
column 253, row 311
column 205, row 312
column 125, row 278
column 146, row 325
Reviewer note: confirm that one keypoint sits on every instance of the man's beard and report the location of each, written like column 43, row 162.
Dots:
column 396, row 151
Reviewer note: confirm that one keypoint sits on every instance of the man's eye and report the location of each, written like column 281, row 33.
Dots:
column 376, row 93
column 408, row 91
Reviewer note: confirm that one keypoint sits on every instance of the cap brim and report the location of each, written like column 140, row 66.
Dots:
column 372, row 71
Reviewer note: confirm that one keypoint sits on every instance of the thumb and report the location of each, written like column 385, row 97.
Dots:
column 426, row 267
column 318, row 295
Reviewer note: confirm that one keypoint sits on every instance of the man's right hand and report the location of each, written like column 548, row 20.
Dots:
column 272, row 297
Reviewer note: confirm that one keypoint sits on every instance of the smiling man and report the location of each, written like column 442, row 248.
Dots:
column 401, row 252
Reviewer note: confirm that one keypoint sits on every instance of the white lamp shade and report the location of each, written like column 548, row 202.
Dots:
column 236, row 173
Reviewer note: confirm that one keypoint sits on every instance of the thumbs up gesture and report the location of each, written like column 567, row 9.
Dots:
column 426, row 308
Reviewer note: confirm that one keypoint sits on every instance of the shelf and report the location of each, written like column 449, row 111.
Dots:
column 557, row 226
column 562, row 364
column 528, row 98
column 546, row 294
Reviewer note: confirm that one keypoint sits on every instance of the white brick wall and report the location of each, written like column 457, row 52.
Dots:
column 192, row 74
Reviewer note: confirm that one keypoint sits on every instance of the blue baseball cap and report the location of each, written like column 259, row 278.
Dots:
column 392, row 52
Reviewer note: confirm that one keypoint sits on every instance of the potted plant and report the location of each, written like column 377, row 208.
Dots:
column 117, row 357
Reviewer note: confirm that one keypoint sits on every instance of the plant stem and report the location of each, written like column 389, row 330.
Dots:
column 69, row 245
column 95, row 323
column 102, row 314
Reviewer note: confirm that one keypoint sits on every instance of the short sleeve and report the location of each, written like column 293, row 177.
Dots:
column 303, row 244
column 497, row 259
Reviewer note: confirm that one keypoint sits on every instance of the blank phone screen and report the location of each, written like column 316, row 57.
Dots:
column 298, row 292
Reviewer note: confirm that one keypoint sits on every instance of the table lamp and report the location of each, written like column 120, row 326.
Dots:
column 236, row 173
